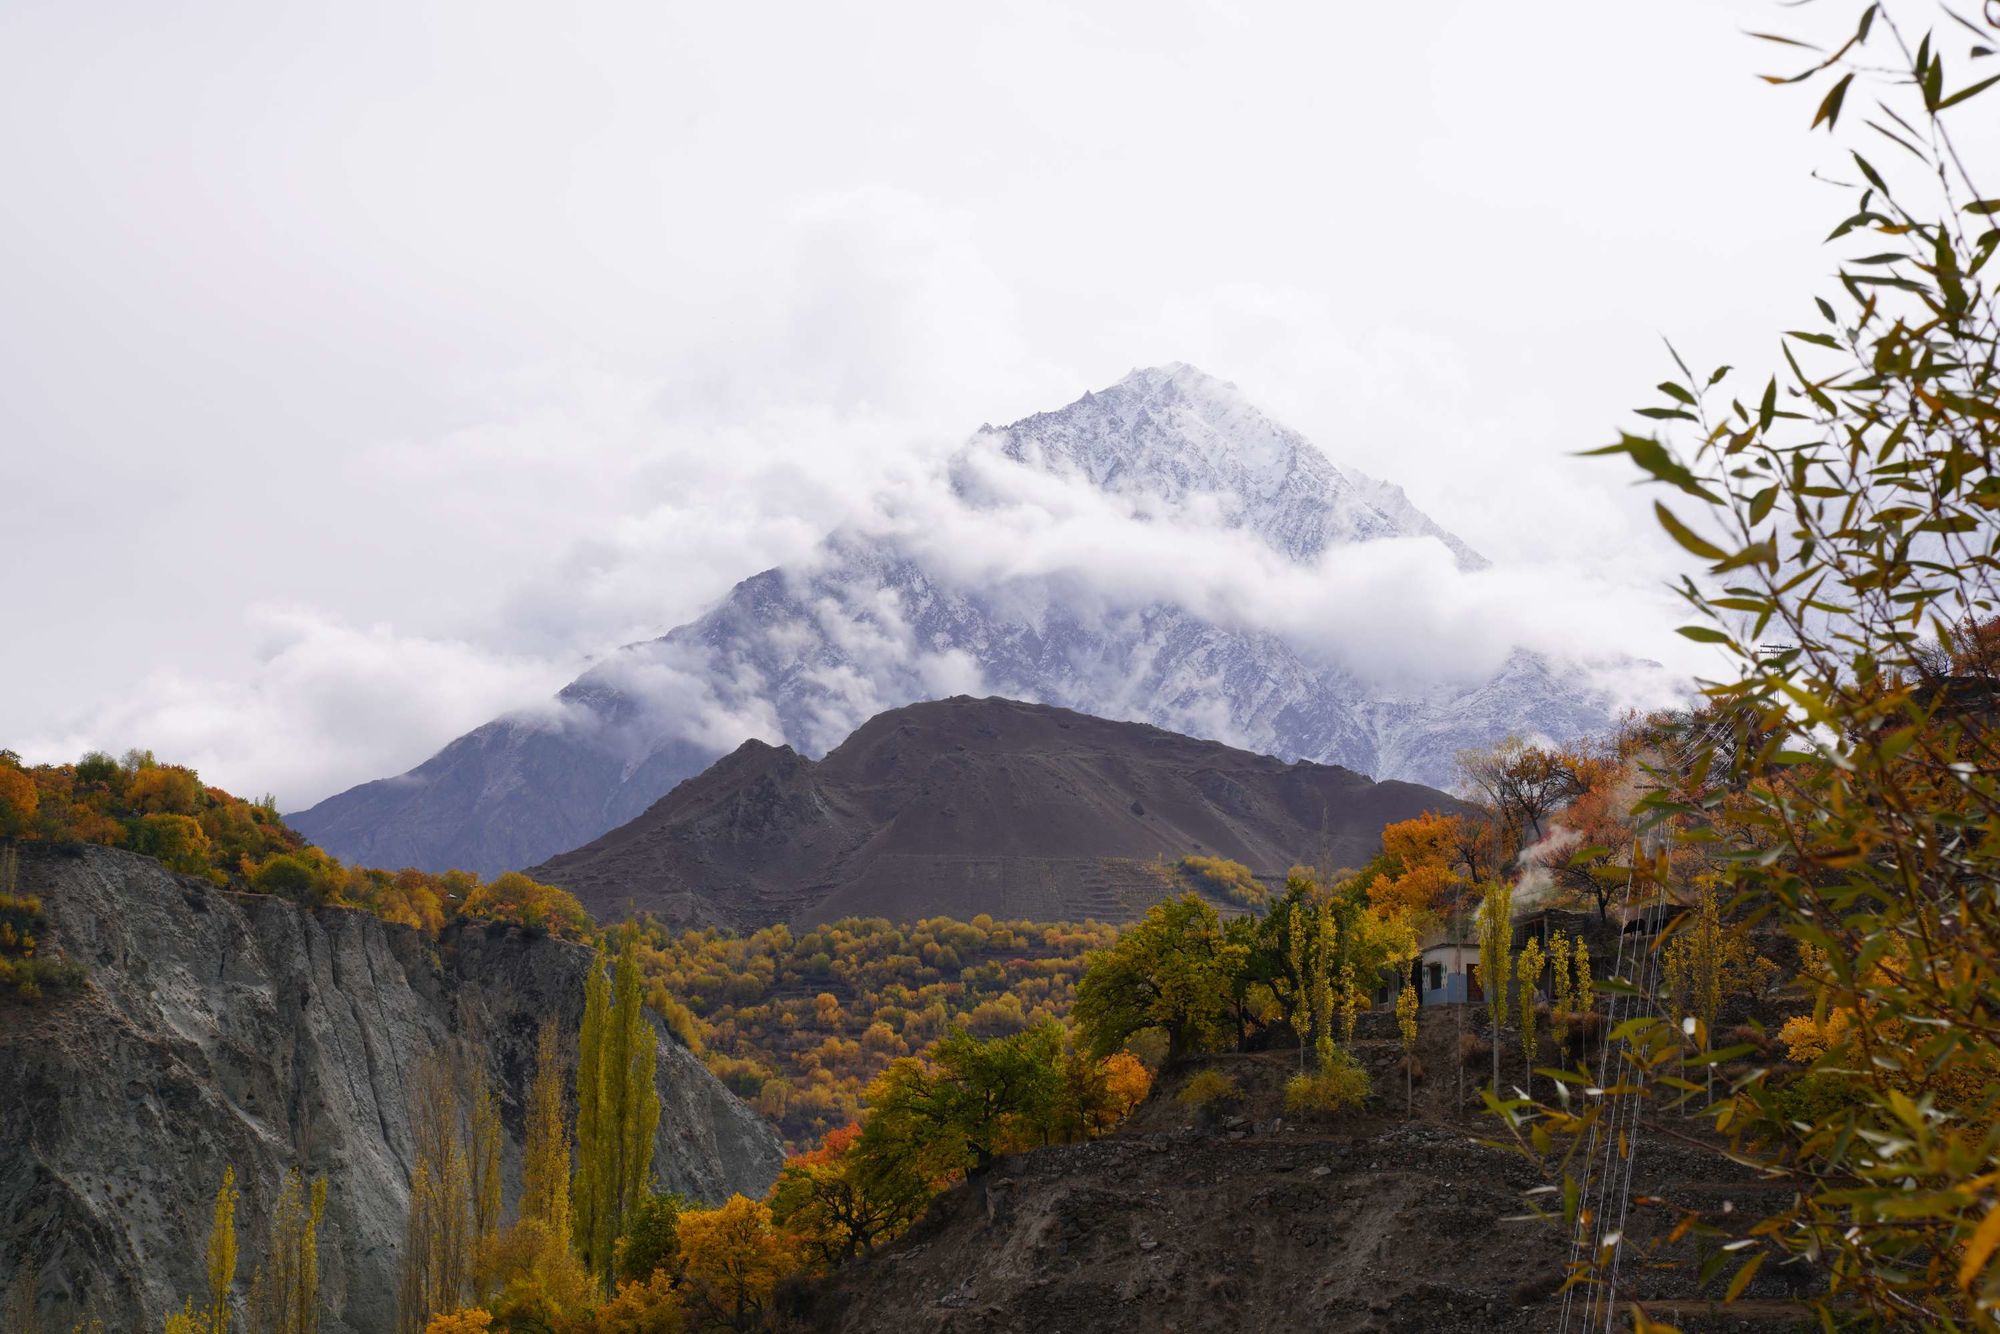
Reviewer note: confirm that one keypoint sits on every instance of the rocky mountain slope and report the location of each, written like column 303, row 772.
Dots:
column 1238, row 1216
column 963, row 806
column 232, row 1029
column 888, row 615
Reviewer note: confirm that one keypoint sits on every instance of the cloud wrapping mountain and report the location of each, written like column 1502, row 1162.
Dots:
column 1160, row 551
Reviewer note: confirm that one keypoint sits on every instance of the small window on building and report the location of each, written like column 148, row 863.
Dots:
column 1436, row 978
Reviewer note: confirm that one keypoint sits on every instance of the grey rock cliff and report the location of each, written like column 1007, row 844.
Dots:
column 232, row 1029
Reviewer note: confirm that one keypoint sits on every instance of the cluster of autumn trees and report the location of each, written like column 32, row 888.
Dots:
column 800, row 1024
column 166, row 812
column 593, row 1248
column 284, row 1290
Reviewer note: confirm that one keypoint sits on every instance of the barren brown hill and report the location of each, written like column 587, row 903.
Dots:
column 964, row 806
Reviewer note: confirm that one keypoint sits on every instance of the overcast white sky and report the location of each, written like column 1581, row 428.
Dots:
column 364, row 367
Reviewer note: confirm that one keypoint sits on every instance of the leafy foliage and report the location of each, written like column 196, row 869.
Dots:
column 1338, row 1085
column 1171, row 971
column 1842, row 778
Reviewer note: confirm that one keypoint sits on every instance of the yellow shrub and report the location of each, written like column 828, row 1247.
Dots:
column 1207, row 1087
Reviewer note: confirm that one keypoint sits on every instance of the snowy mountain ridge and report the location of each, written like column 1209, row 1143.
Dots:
column 879, row 619
column 1174, row 437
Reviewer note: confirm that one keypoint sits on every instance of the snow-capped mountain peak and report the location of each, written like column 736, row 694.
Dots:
column 1174, row 437
column 875, row 620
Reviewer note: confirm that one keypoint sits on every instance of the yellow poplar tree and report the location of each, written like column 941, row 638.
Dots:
column 1295, row 951
column 1528, row 968
column 221, row 1256
column 1406, row 1025
column 545, row 1141
column 438, row 1244
column 589, row 1193
column 485, row 1160
column 541, row 1280
column 1496, row 933
column 616, row 1056
column 1351, row 998
column 284, row 1295
column 1564, row 999
column 1325, row 941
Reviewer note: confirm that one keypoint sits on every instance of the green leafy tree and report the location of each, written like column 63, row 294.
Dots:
column 650, row 1241
column 841, row 1202
column 955, row 1110
column 1172, row 970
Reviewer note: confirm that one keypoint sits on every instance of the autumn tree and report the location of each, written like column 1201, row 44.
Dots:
column 284, row 1293
column 467, row 1320
column 178, row 842
column 221, row 1256
column 1590, row 855
column 19, row 801
column 967, row 1101
column 163, row 789
column 1524, row 784
column 439, row 1243
column 545, row 1138
column 840, row 1203
column 1703, row 960
column 1093, row 1095
column 1423, row 868
column 1528, row 970
column 1496, row 940
column 733, row 1259
column 651, row 1305
column 483, row 1156
column 1171, row 970
column 1406, row 1029
column 535, row 1276
column 618, row 1108
column 1300, row 932
column 514, row 898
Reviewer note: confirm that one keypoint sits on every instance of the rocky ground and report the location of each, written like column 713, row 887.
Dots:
column 1239, row 1218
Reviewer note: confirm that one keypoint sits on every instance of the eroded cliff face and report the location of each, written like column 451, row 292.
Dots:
column 221, row 1029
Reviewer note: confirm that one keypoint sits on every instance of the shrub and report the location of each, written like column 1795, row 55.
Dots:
column 1209, row 1086
column 1342, row 1084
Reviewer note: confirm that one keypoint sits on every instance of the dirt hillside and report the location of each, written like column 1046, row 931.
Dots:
column 1238, row 1218
column 963, row 806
